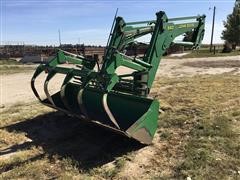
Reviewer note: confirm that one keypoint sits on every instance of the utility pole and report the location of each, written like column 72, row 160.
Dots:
column 213, row 25
column 59, row 37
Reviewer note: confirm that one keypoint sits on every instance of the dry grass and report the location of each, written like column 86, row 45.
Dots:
column 11, row 69
column 38, row 142
column 214, row 64
column 204, row 52
column 11, row 66
column 202, row 114
column 9, row 62
column 198, row 137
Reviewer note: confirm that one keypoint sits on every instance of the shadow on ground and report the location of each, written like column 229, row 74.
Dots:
column 59, row 134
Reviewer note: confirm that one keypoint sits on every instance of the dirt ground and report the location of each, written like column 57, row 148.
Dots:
column 199, row 66
column 15, row 88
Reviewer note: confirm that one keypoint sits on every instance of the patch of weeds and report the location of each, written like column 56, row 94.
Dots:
column 219, row 126
column 39, row 169
column 7, row 138
column 112, row 170
column 231, row 148
column 207, row 138
column 236, row 113
column 118, row 165
column 13, row 160
column 21, row 112
column 166, row 135
column 69, row 164
column 170, row 119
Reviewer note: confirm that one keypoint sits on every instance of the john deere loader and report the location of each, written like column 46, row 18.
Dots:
column 116, row 101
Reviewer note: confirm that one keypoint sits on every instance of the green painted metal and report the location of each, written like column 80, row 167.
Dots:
column 118, row 102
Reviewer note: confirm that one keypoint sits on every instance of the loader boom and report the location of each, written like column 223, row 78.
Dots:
column 118, row 102
column 163, row 30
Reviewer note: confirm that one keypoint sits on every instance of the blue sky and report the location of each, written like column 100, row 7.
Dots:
column 89, row 21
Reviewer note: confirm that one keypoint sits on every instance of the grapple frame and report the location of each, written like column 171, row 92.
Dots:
column 118, row 102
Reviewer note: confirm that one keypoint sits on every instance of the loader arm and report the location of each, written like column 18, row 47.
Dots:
column 164, row 31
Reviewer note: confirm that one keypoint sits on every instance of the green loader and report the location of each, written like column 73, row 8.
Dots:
column 119, row 102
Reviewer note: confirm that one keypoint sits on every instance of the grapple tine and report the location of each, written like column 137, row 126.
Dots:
column 38, row 71
column 81, row 105
column 50, row 75
column 68, row 77
column 108, row 111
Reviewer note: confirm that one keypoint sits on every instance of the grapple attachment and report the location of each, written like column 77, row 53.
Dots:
column 118, row 102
